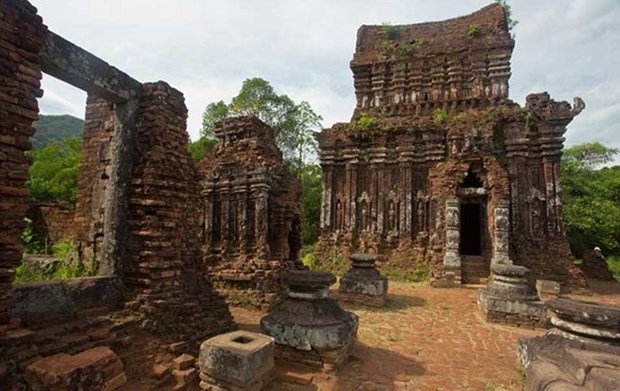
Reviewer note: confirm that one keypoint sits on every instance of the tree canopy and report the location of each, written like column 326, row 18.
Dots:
column 54, row 170
column 292, row 122
column 591, row 198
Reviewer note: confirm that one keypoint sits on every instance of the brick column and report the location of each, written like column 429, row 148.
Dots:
column 501, row 233
column 452, row 256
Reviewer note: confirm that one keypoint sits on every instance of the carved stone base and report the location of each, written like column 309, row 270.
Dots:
column 363, row 283
column 309, row 327
column 326, row 361
column 510, row 299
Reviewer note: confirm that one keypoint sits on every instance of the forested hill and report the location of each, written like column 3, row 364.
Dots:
column 55, row 128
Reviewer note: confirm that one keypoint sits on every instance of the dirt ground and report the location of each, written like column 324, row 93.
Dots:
column 424, row 339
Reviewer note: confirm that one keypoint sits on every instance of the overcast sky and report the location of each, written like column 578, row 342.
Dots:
column 303, row 48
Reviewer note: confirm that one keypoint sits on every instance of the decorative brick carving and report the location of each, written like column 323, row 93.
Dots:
column 252, row 220
column 437, row 166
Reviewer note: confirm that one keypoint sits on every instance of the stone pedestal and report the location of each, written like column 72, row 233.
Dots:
column 510, row 299
column 581, row 351
column 237, row 361
column 364, row 284
column 308, row 326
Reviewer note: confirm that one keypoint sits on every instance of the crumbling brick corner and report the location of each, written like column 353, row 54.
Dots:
column 252, row 217
column 22, row 35
column 164, row 266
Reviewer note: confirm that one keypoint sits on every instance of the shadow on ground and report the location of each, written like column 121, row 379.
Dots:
column 377, row 368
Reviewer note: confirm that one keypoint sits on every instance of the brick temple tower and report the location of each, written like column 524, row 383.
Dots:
column 252, row 222
column 438, row 169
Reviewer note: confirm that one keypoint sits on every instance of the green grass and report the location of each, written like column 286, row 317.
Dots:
column 613, row 261
column 419, row 273
column 62, row 269
column 52, row 272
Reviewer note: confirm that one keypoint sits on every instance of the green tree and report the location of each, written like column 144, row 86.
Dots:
column 200, row 148
column 311, row 202
column 292, row 122
column 54, row 170
column 213, row 113
column 591, row 198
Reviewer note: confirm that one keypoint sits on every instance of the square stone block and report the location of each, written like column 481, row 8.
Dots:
column 240, row 357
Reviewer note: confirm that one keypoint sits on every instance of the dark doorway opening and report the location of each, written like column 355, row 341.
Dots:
column 471, row 229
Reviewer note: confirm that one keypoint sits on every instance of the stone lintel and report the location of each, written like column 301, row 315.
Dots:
column 74, row 65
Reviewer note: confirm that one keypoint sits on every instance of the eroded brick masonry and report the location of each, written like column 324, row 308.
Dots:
column 135, row 218
column 252, row 220
column 438, row 169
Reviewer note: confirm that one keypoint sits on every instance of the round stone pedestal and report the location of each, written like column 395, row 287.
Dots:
column 510, row 299
column 364, row 284
column 308, row 326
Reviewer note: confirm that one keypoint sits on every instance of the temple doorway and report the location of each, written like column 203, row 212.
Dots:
column 471, row 229
column 473, row 241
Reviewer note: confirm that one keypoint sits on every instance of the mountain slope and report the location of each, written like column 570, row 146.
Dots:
column 55, row 128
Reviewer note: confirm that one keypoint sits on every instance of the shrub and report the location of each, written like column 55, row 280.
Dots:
column 419, row 273
column 473, row 30
column 26, row 273
column 386, row 48
column 613, row 261
column 389, row 31
column 29, row 242
column 365, row 122
column 62, row 249
column 440, row 115
column 405, row 49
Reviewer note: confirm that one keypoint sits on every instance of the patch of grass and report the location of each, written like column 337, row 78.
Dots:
column 473, row 30
column 405, row 49
column 440, row 115
column 51, row 272
column 521, row 373
column 389, row 30
column 61, row 269
column 613, row 261
column 386, row 47
column 392, row 337
column 419, row 273
column 62, row 249
column 365, row 122
column 310, row 261
column 338, row 265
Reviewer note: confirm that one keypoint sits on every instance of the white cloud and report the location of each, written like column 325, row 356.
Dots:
column 207, row 48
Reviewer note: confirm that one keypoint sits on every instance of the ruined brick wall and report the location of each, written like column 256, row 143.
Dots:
column 402, row 71
column 163, row 264
column 434, row 133
column 534, row 151
column 52, row 221
column 93, row 178
column 22, row 35
column 252, row 216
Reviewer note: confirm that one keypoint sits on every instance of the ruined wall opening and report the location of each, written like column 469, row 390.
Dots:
column 471, row 229
column 50, row 249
